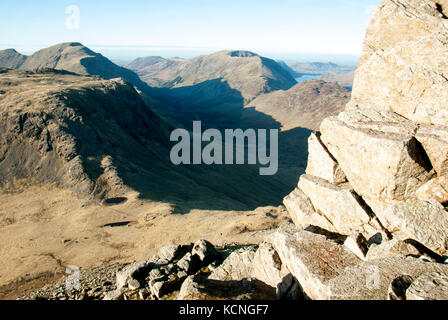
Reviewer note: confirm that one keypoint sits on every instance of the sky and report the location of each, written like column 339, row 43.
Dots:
column 188, row 27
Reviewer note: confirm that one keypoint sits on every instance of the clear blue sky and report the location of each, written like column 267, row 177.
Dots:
column 274, row 26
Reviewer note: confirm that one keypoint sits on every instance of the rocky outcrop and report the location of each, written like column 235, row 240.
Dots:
column 402, row 68
column 430, row 286
column 377, row 171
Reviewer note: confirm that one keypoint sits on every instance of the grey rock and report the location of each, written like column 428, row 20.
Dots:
column 237, row 266
column 171, row 253
column 205, row 251
column 132, row 271
column 430, row 286
column 133, row 285
column 114, row 295
column 195, row 288
column 189, row 263
column 160, row 288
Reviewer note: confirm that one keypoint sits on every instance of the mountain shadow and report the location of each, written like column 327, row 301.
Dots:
column 218, row 106
column 98, row 137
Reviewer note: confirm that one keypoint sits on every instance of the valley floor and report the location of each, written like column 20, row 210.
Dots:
column 44, row 229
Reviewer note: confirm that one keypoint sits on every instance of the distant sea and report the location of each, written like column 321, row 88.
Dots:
column 308, row 77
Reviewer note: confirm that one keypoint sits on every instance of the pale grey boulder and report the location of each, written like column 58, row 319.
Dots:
column 205, row 251
column 422, row 221
column 237, row 266
column 321, row 163
column 195, row 288
column 382, row 159
column 312, row 259
column 268, row 268
column 340, row 205
column 303, row 212
column 429, row 286
column 132, row 271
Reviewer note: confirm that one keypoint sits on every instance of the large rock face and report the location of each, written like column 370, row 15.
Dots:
column 391, row 146
column 403, row 66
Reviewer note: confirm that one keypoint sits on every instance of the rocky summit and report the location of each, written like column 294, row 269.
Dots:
column 370, row 218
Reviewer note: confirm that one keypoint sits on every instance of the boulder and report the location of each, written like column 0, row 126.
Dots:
column 303, row 213
column 391, row 248
column 134, row 271
column 371, row 280
column 434, row 140
column 205, row 251
column 422, row 221
column 196, row 288
column 312, row 259
column 321, row 163
column 339, row 204
column 171, row 253
column 162, row 287
column 403, row 65
column 395, row 23
column 189, row 263
column 358, row 245
column 268, row 268
column 382, row 159
column 436, row 189
column 430, row 286
column 114, row 295
column 237, row 266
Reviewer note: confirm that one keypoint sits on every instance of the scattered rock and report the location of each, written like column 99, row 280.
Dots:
column 114, row 295
column 205, row 251
column 134, row 284
column 132, row 272
column 238, row 266
column 194, row 288
column 430, row 286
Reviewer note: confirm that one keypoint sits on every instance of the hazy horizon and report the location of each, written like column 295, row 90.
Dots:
column 284, row 29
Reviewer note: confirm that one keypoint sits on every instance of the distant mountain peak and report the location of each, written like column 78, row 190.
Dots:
column 242, row 54
column 70, row 56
